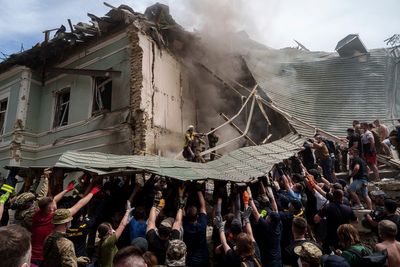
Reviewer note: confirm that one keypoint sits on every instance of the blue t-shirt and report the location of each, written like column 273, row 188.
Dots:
column 137, row 229
column 195, row 239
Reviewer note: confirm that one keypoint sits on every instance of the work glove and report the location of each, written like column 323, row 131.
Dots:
column 47, row 172
column 181, row 190
column 129, row 210
column 83, row 260
column 157, row 200
column 139, row 181
column 71, row 186
column 4, row 197
column 246, row 197
column 95, row 190
column 182, row 202
column 160, row 185
column 246, row 215
column 310, row 181
column 218, row 223
column 162, row 204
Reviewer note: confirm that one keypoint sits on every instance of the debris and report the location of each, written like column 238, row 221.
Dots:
column 351, row 46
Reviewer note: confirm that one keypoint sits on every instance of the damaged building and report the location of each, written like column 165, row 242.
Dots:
column 130, row 83
column 109, row 86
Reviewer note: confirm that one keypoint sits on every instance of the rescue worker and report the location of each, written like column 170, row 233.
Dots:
column 188, row 148
column 58, row 250
column 212, row 142
column 198, row 147
column 26, row 204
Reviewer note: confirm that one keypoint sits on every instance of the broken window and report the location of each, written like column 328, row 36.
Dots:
column 102, row 94
column 62, row 108
column 3, row 110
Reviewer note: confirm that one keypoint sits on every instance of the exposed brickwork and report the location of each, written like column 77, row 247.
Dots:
column 138, row 115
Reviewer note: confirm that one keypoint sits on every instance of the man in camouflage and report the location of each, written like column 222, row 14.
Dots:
column 58, row 250
column 26, row 204
column 176, row 253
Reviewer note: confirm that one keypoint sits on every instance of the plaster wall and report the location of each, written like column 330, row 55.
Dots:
column 167, row 99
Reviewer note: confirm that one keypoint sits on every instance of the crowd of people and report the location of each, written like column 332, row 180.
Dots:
column 299, row 214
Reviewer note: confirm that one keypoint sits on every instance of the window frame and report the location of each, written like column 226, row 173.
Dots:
column 5, row 96
column 96, row 95
column 56, row 98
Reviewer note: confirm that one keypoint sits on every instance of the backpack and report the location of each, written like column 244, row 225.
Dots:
column 367, row 259
column 250, row 262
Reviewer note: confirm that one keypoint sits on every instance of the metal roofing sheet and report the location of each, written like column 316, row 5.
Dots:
column 328, row 93
column 240, row 165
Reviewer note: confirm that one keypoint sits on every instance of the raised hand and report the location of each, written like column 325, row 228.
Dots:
column 71, row 186
column 218, row 223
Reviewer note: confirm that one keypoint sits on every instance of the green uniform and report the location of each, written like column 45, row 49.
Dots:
column 24, row 217
column 58, row 251
column 107, row 251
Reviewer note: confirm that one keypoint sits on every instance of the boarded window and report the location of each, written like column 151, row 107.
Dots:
column 3, row 110
column 102, row 94
column 62, row 108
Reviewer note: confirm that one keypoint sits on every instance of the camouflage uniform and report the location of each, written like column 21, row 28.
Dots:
column 176, row 253
column 24, row 216
column 59, row 251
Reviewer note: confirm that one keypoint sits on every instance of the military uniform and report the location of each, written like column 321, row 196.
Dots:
column 57, row 249
column 23, row 215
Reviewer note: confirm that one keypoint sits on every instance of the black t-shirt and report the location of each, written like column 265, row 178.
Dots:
column 196, row 241
column 363, row 171
column 289, row 257
column 308, row 157
column 78, row 236
column 287, row 219
column 355, row 138
column 158, row 246
column 268, row 237
column 232, row 259
column 336, row 215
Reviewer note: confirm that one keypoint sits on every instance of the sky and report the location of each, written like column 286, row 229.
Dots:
column 317, row 24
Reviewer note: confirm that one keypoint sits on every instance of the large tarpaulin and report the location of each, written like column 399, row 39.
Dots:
column 241, row 165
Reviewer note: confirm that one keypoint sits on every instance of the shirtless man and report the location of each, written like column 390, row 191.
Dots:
column 387, row 232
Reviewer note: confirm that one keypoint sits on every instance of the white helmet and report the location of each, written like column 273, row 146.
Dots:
column 190, row 127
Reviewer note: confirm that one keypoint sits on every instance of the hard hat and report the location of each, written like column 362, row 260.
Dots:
column 190, row 127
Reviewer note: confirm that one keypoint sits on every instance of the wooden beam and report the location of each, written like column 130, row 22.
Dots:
column 86, row 72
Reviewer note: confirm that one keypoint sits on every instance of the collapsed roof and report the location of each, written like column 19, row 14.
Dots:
column 57, row 49
column 241, row 165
